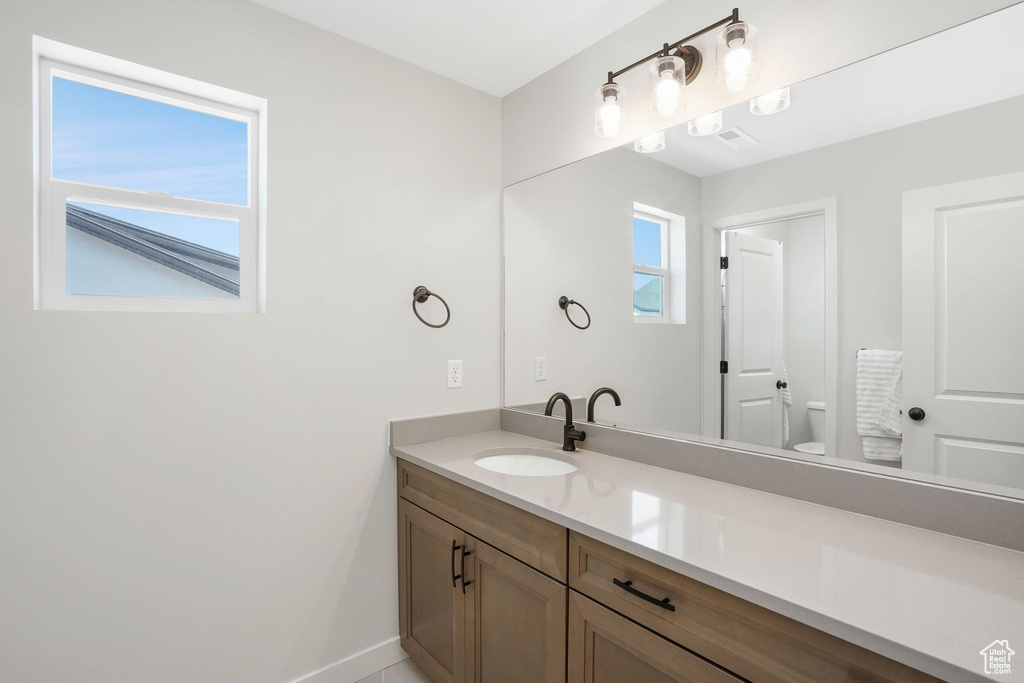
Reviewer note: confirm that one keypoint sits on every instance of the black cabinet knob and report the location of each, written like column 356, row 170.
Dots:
column 781, row 385
column 916, row 414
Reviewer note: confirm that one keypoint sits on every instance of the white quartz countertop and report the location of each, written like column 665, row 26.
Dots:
column 926, row 599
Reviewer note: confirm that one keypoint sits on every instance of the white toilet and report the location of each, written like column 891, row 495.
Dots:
column 816, row 414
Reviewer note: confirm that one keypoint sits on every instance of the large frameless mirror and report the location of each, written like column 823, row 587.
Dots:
column 830, row 272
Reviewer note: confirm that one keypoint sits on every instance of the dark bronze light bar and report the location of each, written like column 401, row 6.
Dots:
column 674, row 66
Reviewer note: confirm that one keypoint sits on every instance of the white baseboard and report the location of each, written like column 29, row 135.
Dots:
column 358, row 666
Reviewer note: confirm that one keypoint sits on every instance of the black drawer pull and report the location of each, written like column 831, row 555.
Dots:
column 454, row 575
column 628, row 587
column 463, row 574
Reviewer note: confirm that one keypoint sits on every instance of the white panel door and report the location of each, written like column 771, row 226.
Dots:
column 963, row 329
column 754, row 340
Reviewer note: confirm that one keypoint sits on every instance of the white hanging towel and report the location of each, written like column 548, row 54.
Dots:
column 787, row 401
column 890, row 417
column 879, row 396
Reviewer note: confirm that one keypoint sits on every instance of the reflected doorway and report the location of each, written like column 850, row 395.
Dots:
column 770, row 333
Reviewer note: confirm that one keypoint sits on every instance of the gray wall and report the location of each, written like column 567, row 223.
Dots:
column 868, row 176
column 805, row 324
column 571, row 232
column 209, row 498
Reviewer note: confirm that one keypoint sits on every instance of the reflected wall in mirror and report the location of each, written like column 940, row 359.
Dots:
column 838, row 281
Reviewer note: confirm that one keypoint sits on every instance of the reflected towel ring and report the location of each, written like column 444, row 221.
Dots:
column 564, row 303
column 419, row 296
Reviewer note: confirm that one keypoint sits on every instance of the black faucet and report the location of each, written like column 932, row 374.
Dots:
column 570, row 435
column 593, row 399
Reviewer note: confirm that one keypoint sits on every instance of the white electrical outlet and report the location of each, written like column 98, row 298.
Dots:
column 455, row 374
column 540, row 369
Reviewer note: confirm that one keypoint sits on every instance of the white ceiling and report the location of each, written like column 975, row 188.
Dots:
column 491, row 46
column 958, row 69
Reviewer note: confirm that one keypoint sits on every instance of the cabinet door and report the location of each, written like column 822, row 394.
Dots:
column 431, row 609
column 515, row 619
column 607, row 648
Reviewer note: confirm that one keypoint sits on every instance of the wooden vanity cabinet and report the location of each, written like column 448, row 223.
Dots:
column 490, row 593
column 431, row 607
column 515, row 620
column 469, row 612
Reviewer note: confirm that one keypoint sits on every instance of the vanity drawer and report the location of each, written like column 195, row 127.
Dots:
column 535, row 541
column 751, row 641
column 607, row 648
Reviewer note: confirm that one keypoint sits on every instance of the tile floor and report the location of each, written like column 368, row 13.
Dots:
column 405, row 671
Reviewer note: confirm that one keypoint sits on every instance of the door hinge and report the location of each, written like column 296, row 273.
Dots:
column 724, row 262
column 723, row 366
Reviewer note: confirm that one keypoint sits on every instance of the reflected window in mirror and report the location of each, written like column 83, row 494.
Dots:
column 650, row 264
column 655, row 267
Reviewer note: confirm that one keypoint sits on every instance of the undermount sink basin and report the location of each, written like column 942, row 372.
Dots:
column 526, row 462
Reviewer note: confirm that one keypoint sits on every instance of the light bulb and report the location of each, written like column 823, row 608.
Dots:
column 610, row 111
column 735, row 82
column 770, row 103
column 667, row 94
column 705, row 125
column 771, row 100
column 737, row 56
column 667, row 81
column 650, row 143
column 738, row 61
column 611, row 116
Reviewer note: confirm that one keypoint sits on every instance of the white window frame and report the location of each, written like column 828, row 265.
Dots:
column 56, row 59
column 663, row 271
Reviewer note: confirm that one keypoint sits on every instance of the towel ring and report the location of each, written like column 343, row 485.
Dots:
column 419, row 296
column 564, row 302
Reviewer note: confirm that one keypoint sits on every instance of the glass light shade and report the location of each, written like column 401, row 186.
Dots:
column 668, row 79
column 736, row 52
column 649, row 144
column 705, row 125
column 610, row 112
column 770, row 103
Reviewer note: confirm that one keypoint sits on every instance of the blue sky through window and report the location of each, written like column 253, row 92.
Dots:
column 103, row 137
column 646, row 243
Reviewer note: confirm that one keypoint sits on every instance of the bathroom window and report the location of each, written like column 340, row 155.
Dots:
column 651, row 285
column 150, row 189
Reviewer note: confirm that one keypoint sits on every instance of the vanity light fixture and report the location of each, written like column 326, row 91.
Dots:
column 650, row 144
column 705, row 125
column 770, row 103
column 673, row 67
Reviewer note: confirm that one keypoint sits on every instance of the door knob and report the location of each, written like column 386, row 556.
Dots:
column 781, row 385
column 916, row 414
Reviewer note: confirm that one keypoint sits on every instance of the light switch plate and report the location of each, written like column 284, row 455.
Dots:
column 455, row 374
column 540, row 369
